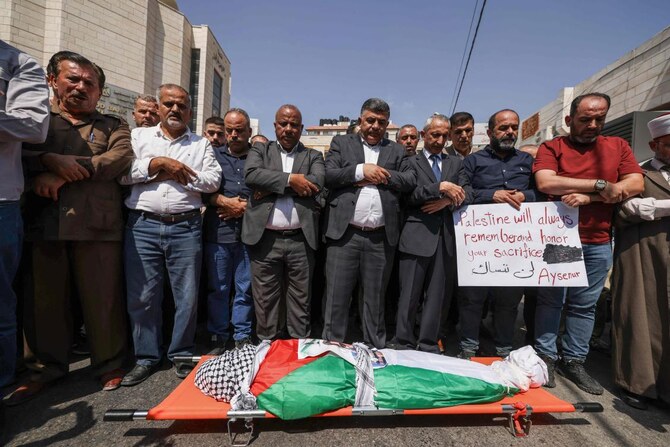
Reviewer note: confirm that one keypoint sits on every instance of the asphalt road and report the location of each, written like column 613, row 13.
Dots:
column 70, row 413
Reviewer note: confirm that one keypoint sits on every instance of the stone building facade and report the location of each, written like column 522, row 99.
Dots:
column 140, row 44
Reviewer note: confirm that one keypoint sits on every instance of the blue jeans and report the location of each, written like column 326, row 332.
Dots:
column 580, row 306
column 11, row 236
column 228, row 264
column 150, row 249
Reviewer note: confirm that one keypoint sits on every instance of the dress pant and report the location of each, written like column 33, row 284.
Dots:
column 367, row 258
column 282, row 266
column 471, row 302
column 11, row 235
column 430, row 278
column 151, row 250
column 94, row 269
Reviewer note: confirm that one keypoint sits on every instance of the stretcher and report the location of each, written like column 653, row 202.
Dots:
column 187, row 402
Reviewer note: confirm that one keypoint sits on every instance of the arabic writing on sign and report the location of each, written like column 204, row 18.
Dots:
column 537, row 245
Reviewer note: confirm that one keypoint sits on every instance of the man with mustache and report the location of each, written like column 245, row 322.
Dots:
column 145, row 111
column 74, row 221
column 461, row 132
column 226, row 257
column 592, row 172
column 499, row 173
column 366, row 173
column 408, row 137
column 427, row 249
column 281, row 226
column 171, row 170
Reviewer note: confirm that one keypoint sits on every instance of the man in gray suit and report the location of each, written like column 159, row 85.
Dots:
column 365, row 174
column 281, row 225
column 426, row 250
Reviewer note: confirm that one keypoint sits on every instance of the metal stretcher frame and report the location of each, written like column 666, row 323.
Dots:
column 187, row 402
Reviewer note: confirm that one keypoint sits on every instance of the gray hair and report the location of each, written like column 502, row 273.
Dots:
column 241, row 112
column 435, row 117
column 174, row 87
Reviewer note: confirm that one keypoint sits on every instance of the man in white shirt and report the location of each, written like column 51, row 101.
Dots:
column 365, row 173
column 173, row 166
column 281, row 226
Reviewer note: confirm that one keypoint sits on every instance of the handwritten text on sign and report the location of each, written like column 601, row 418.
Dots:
column 536, row 246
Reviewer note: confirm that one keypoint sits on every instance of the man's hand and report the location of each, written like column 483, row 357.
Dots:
column 177, row 170
column 510, row 196
column 65, row 166
column 230, row 207
column 613, row 193
column 453, row 191
column 576, row 199
column 47, row 185
column 301, row 185
column 375, row 174
column 433, row 206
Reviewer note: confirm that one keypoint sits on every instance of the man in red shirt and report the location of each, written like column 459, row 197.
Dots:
column 592, row 172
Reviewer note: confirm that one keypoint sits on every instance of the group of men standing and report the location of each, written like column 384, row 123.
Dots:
column 267, row 208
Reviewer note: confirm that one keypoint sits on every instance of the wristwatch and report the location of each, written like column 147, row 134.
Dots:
column 600, row 185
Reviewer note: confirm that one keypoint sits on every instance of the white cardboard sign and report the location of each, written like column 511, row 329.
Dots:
column 538, row 245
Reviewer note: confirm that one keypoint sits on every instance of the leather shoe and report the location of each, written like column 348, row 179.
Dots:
column 634, row 400
column 25, row 392
column 138, row 374
column 183, row 369
column 111, row 380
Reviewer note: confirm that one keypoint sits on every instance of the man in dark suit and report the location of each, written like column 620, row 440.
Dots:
column 281, row 225
column 462, row 129
column 365, row 174
column 427, row 251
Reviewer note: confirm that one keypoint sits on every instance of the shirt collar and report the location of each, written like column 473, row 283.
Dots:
column 293, row 151
column 428, row 154
column 365, row 144
column 160, row 133
column 657, row 164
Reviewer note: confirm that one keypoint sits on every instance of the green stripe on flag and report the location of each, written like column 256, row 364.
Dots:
column 326, row 384
column 403, row 387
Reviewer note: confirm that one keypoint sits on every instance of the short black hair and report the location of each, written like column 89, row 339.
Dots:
column 214, row 120
column 53, row 67
column 460, row 118
column 376, row 105
column 575, row 102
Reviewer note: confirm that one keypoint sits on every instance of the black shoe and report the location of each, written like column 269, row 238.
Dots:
column 634, row 400
column 465, row 355
column 243, row 342
column 138, row 374
column 574, row 371
column 395, row 344
column 551, row 366
column 183, row 369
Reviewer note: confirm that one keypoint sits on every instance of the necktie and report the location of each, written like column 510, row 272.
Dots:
column 437, row 160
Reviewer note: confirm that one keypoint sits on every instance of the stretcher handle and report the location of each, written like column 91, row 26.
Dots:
column 588, row 407
column 123, row 415
column 186, row 359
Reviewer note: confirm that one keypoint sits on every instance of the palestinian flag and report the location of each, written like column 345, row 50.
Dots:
column 292, row 384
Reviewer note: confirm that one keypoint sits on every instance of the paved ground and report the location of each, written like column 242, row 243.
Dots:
column 70, row 414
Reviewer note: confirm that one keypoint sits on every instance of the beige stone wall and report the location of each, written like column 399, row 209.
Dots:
column 638, row 81
column 23, row 24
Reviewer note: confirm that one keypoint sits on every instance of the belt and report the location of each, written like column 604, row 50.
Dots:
column 287, row 233
column 169, row 218
column 366, row 229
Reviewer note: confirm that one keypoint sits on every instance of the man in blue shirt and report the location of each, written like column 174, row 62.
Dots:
column 498, row 174
column 226, row 257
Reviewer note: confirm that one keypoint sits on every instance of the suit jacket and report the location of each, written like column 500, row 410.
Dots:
column 263, row 172
column 86, row 210
column 420, row 233
column 346, row 152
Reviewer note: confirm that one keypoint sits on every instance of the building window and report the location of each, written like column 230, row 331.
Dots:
column 194, row 84
column 217, row 94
